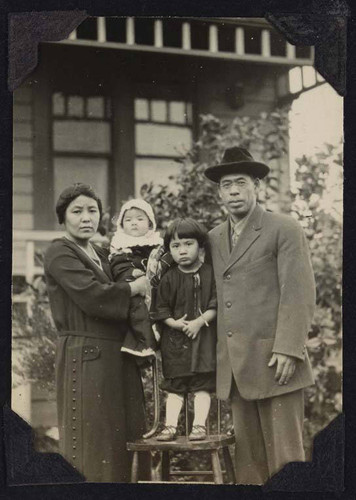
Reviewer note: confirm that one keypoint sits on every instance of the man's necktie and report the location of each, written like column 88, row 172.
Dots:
column 234, row 238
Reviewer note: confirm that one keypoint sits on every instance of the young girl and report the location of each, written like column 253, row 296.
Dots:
column 132, row 244
column 186, row 309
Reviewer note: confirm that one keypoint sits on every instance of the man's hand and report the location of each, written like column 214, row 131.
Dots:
column 285, row 367
column 191, row 328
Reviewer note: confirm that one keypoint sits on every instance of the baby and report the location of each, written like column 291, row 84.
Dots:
column 130, row 249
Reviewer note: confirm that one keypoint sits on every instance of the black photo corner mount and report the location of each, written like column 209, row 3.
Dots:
column 24, row 465
column 324, row 473
column 328, row 34
column 27, row 30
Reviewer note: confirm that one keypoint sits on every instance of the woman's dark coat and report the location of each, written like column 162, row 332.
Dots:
column 99, row 390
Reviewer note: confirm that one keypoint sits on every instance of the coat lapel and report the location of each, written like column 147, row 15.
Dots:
column 105, row 274
column 103, row 254
column 224, row 243
column 248, row 236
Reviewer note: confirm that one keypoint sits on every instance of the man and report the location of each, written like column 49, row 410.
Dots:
column 266, row 297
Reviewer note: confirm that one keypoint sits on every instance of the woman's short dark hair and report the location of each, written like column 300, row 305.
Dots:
column 186, row 227
column 71, row 193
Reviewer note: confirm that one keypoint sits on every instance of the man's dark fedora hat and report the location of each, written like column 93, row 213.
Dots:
column 237, row 161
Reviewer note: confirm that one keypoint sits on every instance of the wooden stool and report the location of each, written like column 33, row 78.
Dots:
column 212, row 443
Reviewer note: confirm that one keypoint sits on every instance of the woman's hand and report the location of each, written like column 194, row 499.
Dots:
column 192, row 328
column 136, row 273
column 138, row 287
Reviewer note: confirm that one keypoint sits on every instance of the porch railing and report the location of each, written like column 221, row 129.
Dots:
column 30, row 238
column 127, row 35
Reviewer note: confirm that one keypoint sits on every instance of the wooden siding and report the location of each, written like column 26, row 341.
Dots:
column 22, row 171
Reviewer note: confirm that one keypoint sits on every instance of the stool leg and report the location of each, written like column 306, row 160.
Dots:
column 165, row 465
column 145, row 465
column 215, row 461
column 134, row 467
column 230, row 471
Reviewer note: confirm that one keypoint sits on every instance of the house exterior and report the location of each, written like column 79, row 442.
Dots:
column 119, row 101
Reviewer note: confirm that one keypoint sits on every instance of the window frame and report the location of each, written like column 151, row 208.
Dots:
column 188, row 124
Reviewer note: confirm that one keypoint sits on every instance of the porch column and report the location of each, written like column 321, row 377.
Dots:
column 123, row 143
column 43, row 200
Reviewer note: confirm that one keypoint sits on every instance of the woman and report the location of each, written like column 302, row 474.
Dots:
column 99, row 390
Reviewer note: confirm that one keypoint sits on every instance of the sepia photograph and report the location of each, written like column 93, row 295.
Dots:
column 177, row 249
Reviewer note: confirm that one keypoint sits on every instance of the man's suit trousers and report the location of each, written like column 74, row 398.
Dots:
column 269, row 434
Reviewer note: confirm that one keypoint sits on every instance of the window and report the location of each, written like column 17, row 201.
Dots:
column 81, row 141
column 163, row 134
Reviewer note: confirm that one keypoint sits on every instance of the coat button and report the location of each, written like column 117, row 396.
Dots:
column 229, row 334
column 74, row 438
column 228, row 305
column 85, row 351
column 74, row 428
column 74, row 360
column 228, row 276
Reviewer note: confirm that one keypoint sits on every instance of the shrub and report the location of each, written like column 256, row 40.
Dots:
column 34, row 337
column 266, row 136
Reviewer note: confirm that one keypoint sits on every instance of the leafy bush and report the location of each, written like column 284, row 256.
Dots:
column 322, row 224
column 266, row 136
column 34, row 337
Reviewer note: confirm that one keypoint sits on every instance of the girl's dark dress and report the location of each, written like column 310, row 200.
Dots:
column 182, row 293
column 99, row 391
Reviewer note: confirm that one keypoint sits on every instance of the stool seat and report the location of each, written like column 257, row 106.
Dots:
column 212, row 444
column 182, row 443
